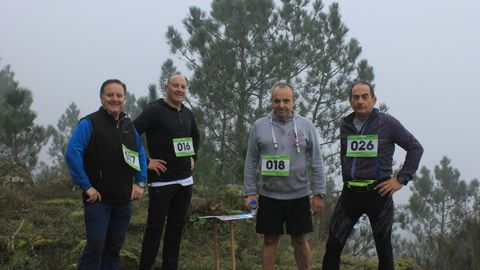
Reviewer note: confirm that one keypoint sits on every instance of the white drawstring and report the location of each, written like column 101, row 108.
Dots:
column 297, row 141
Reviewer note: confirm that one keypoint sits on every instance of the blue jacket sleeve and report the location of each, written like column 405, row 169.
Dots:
column 75, row 152
column 142, row 174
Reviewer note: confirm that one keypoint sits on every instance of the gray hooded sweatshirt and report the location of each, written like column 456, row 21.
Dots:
column 305, row 160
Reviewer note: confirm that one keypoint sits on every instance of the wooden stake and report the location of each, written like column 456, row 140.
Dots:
column 215, row 244
column 232, row 244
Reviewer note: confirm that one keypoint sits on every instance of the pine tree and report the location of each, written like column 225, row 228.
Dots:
column 439, row 207
column 239, row 51
column 20, row 138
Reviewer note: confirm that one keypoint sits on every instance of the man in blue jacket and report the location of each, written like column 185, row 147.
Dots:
column 106, row 160
column 368, row 139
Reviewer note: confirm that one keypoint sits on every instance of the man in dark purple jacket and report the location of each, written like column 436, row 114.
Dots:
column 368, row 139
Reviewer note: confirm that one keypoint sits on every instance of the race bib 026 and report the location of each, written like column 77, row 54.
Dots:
column 362, row 146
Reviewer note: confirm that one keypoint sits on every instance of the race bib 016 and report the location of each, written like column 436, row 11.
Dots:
column 183, row 147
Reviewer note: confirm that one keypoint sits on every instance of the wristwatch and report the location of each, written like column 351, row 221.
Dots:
column 402, row 180
column 141, row 184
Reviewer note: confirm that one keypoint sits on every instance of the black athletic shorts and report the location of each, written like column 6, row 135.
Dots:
column 273, row 214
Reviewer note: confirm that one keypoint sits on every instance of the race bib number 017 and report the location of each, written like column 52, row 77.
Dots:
column 131, row 158
column 183, row 147
column 275, row 165
column 362, row 146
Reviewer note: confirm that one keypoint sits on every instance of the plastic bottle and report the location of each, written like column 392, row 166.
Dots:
column 253, row 206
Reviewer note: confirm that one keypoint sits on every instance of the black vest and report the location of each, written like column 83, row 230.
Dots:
column 103, row 159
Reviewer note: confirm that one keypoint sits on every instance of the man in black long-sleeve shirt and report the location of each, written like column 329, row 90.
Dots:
column 173, row 142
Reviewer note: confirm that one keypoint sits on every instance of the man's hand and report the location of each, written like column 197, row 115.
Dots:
column 157, row 165
column 93, row 195
column 192, row 163
column 249, row 198
column 388, row 187
column 137, row 192
column 316, row 204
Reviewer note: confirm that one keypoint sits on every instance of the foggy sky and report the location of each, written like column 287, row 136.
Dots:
column 425, row 56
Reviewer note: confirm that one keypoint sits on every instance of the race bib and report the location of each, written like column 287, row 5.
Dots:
column 131, row 158
column 183, row 147
column 362, row 146
column 275, row 165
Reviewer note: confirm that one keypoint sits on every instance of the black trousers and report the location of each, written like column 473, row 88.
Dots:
column 168, row 203
column 350, row 207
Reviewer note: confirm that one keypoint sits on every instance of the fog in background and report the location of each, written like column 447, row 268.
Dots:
column 425, row 56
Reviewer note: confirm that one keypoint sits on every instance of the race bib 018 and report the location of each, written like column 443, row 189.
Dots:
column 275, row 165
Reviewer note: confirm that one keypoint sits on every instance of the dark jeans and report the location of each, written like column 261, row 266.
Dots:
column 171, row 203
column 106, row 225
column 349, row 208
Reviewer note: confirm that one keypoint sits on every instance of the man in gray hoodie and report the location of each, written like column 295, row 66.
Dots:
column 283, row 148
